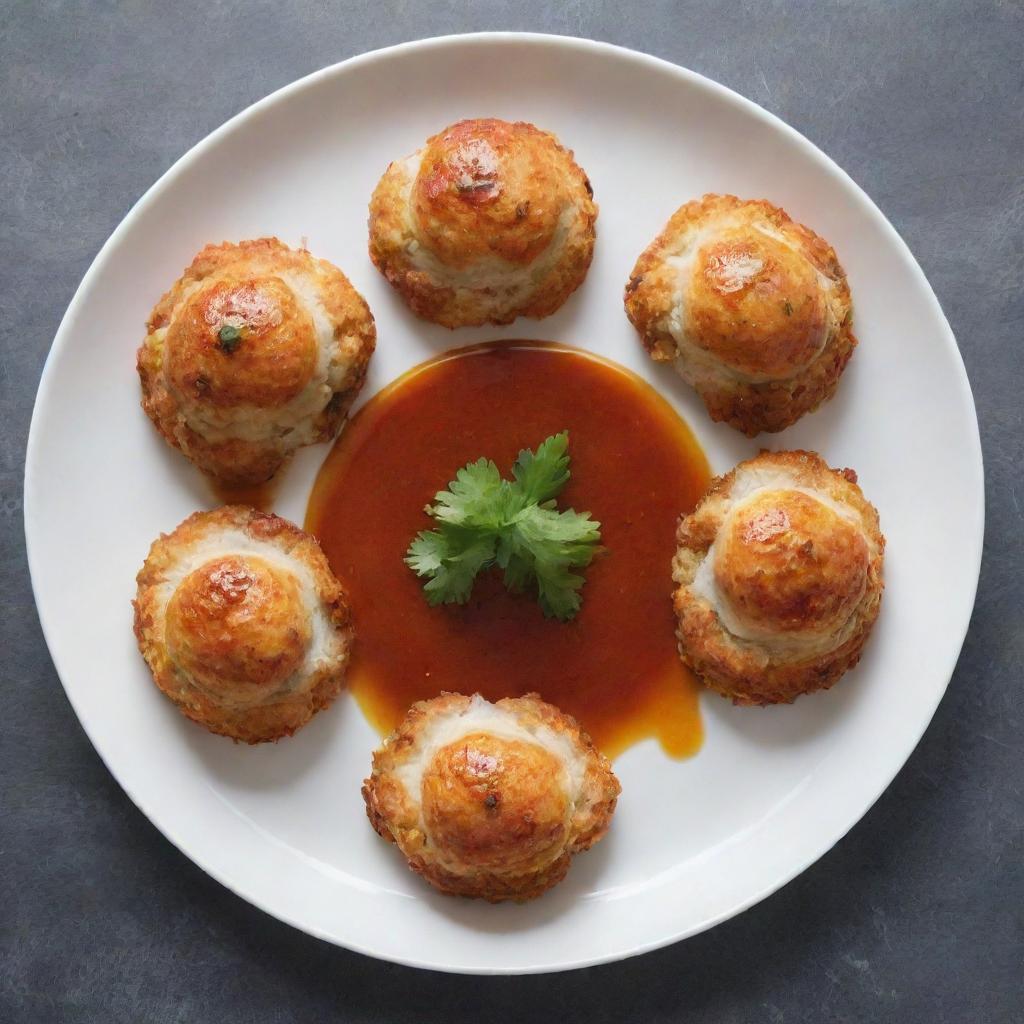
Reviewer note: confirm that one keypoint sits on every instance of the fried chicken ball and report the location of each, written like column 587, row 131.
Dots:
column 242, row 623
column 489, row 221
column 490, row 800
column 255, row 351
column 751, row 308
column 779, row 578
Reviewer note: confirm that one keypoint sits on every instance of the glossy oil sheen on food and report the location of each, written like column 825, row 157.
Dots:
column 635, row 466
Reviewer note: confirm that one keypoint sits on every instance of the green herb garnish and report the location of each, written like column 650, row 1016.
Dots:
column 787, row 307
column 229, row 338
column 513, row 524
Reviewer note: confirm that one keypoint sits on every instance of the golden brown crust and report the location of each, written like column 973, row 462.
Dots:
column 237, row 623
column 788, row 562
column 297, row 341
column 493, row 818
column 222, row 617
column 800, row 580
column 496, row 804
column 491, row 220
column 752, row 308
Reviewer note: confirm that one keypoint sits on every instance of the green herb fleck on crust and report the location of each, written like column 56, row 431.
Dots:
column 229, row 338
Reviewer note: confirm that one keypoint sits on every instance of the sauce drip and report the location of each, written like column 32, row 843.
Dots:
column 259, row 496
column 635, row 466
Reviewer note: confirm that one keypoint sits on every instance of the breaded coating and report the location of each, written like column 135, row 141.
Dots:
column 488, row 222
column 779, row 578
column 752, row 309
column 255, row 351
column 490, row 800
column 242, row 623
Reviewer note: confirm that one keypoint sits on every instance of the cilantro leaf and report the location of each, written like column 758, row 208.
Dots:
column 555, row 543
column 486, row 521
column 570, row 532
column 558, row 592
column 541, row 475
column 472, row 497
column 451, row 556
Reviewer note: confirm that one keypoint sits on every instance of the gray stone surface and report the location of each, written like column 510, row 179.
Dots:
column 915, row 916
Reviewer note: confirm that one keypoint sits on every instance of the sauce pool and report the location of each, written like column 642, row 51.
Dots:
column 635, row 467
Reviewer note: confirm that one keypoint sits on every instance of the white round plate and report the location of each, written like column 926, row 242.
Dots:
column 693, row 842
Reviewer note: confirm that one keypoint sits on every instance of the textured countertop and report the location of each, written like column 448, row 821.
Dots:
column 915, row 916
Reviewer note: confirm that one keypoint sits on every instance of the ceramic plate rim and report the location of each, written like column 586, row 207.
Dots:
column 483, row 39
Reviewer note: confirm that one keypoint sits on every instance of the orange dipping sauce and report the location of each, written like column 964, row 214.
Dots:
column 635, row 467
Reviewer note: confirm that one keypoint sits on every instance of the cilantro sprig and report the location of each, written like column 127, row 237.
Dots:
column 484, row 521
